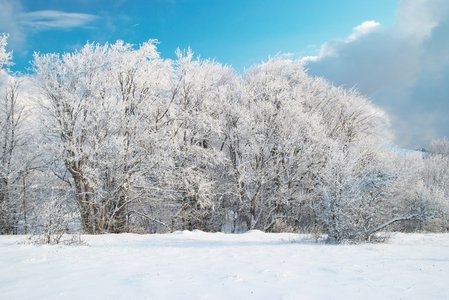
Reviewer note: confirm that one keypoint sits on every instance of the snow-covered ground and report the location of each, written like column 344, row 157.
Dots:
column 198, row 265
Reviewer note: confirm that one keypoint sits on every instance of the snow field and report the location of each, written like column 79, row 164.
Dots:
column 198, row 265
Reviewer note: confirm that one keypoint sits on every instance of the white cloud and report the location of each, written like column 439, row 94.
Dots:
column 363, row 29
column 418, row 18
column 332, row 48
column 404, row 68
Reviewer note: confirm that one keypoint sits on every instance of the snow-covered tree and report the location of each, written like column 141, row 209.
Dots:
column 16, row 152
column 282, row 148
column 11, row 115
column 5, row 55
column 101, row 106
column 199, row 88
column 439, row 147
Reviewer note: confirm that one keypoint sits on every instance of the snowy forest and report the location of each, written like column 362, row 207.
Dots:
column 113, row 138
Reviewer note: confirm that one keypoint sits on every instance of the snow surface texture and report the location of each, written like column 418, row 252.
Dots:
column 198, row 265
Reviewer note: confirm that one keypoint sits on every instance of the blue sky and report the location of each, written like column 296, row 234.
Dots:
column 394, row 51
column 235, row 32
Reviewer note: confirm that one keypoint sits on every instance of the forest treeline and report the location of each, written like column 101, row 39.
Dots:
column 113, row 138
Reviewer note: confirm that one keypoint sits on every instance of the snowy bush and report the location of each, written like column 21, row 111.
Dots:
column 52, row 221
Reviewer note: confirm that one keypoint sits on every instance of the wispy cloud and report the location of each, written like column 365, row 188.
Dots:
column 53, row 19
column 19, row 23
column 403, row 68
